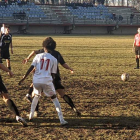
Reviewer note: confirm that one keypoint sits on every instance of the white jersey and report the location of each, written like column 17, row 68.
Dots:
column 3, row 30
column 44, row 64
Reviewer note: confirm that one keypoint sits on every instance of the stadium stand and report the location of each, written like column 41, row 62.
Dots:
column 52, row 17
column 90, row 15
column 50, row 14
column 16, row 12
column 68, row 18
column 102, row 15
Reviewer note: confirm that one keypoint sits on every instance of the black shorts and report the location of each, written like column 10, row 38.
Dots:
column 2, row 87
column 137, row 50
column 57, row 84
column 5, row 54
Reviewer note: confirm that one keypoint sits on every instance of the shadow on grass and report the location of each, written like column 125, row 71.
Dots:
column 87, row 122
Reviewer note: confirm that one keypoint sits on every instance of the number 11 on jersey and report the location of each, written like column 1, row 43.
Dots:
column 45, row 62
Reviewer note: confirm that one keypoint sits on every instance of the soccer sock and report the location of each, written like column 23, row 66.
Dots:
column 9, row 68
column 137, row 61
column 33, row 106
column 12, row 107
column 69, row 101
column 58, row 108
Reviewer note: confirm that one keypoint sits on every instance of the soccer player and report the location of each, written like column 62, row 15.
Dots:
column 3, row 29
column 136, row 47
column 45, row 68
column 6, row 98
column 57, row 81
column 6, row 40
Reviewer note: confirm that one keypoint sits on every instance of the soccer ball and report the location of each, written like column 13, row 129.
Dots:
column 125, row 77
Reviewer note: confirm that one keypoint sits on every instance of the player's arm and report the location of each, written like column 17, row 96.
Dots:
column 63, row 63
column 27, row 73
column 133, row 45
column 6, row 69
column 67, row 67
column 29, row 56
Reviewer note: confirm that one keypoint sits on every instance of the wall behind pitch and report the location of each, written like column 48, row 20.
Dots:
column 78, row 29
column 45, row 29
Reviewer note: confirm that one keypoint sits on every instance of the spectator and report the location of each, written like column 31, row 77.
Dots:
column 131, row 18
column 20, row 15
column 120, row 18
column 23, row 2
column 14, row 1
column 114, row 17
column 27, row 1
column 102, row 2
column 6, row 2
column 98, row 1
column 42, row 2
column 23, row 15
column 19, row 2
column 9, row 2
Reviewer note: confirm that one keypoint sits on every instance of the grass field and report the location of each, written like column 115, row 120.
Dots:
column 110, row 107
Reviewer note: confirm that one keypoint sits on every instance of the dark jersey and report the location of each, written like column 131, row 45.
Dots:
column 6, row 40
column 58, row 56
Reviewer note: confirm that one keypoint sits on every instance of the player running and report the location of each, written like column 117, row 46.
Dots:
column 6, row 42
column 136, row 47
column 6, row 98
column 57, row 81
column 45, row 68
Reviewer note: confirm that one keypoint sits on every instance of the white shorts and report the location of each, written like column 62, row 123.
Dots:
column 48, row 90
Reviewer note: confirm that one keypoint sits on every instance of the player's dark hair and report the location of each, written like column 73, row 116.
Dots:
column 49, row 44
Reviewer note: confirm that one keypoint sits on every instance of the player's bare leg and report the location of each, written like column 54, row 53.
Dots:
column 61, row 92
column 58, row 109
column 13, row 108
column 57, row 106
column 8, row 64
column 29, row 96
column 68, row 100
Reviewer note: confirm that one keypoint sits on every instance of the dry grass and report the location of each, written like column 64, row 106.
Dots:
column 109, row 106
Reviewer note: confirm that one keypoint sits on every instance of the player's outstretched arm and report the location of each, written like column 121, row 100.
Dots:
column 67, row 67
column 27, row 73
column 6, row 69
column 28, row 58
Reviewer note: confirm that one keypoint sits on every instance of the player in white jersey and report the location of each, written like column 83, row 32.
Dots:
column 45, row 68
column 3, row 29
column 57, row 81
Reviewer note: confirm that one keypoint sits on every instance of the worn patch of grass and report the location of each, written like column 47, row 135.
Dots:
column 109, row 106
